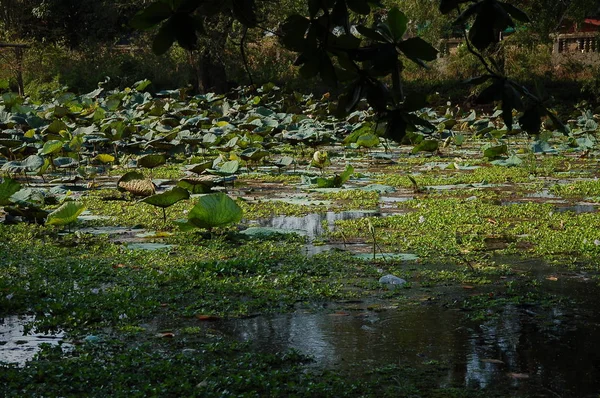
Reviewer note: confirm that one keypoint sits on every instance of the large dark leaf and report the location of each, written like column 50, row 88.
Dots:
column 244, row 11
column 164, row 39
column 152, row 15
column 151, row 161
column 447, row 6
column 397, row 23
column 515, row 12
column 370, row 33
column 530, row 121
column 294, row 29
column 359, row 6
column 339, row 15
column 417, row 48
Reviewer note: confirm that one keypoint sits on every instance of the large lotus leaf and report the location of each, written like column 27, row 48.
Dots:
column 56, row 126
column 495, row 151
column 200, row 167
column 51, row 147
column 135, row 183
column 65, row 163
column 197, row 185
column 253, row 154
column 7, row 189
column 426, row 146
column 151, row 161
column 32, row 163
column 369, row 140
column 336, row 181
column 168, row 198
column 29, row 196
column 10, row 143
column 227, row 168
column 104, row 158
column 65, row 214
column 215, row 210
column 284, row 161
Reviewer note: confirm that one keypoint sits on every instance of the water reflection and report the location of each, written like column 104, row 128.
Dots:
column 315, row 224
column 15, row 346
column 514, row 350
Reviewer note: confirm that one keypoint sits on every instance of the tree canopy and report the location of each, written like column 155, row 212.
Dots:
column 363, row 47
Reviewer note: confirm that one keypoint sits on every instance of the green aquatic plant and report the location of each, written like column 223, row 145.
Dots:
column 167, row 199
column 66, row 214
column 8, row 187
column 212, row 211
column 337, row 180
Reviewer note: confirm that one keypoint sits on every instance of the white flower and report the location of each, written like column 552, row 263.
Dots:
column 421, row 220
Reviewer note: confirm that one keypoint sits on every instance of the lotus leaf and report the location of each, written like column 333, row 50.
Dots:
column 195, row 185
column 213, row 210
column 67, row 213
column 426, row 146
column 32, row 163
column 495, row 151
column 135, row 183
column 51, row 147
column 65, row 163
column 151, row 161
column 167, row 198
column 337, row 180
column 104, row 158
column 200, row 167
column 227, row 168
column 7, row 189
column 368, row 140
column 254, row 154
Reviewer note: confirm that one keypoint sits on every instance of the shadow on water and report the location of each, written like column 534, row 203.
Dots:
column 519, row 349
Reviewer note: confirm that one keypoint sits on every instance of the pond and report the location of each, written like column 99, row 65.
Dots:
column 520, row 350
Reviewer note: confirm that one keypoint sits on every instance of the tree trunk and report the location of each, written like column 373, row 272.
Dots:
column 213, row 76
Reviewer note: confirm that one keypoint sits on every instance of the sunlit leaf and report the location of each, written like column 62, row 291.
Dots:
column 65, row 214
column 214, row 210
